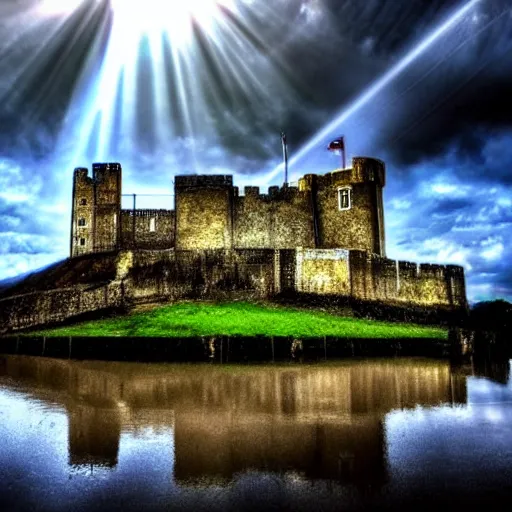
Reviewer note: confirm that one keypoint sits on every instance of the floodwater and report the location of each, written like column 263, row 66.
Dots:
column 375, row 433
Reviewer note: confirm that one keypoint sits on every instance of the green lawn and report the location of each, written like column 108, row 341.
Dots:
column 187, row 319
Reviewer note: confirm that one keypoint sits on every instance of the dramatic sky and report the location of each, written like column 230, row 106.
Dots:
column 425, row 85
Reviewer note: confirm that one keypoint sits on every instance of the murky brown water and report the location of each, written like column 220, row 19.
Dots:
column 374, row 433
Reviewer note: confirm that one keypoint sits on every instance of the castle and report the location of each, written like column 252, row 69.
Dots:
column 326, row 236
column 323, row 239
column 341, row 210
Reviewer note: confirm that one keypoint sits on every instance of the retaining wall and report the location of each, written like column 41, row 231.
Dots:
column 169, row 275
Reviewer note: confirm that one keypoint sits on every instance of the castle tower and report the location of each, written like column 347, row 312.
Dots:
column 82, row 217
column 204, row 212
column 96, row 208
column 107, row 204
column 347, row 206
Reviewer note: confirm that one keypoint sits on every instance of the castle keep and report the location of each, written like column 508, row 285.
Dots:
column 339, row 210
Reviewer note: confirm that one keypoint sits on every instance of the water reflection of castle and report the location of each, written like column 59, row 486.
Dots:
column 322, row 422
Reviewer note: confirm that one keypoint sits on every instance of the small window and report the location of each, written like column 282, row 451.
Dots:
column 83, row 202
column 81, row 222
column 152, row 224
column 82, row 241
column 344, row 199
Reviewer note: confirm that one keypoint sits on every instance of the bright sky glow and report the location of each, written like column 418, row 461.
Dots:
column 157, row 40
column 176, row 17
column 59, row 7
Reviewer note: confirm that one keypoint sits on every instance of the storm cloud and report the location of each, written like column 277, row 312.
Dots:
column 443, row 126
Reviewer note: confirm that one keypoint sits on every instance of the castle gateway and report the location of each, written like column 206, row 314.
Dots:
column 326, row 236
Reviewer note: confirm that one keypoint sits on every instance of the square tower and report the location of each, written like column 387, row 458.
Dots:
column 204, row 212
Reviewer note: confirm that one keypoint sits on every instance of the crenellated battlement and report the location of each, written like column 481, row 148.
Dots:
column 203, row 181
column 81, row 175
column 274, row 193
column 148, row 213
column 337, row 217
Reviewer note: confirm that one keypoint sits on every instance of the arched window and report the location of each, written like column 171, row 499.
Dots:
column 83, row 202
column 81, row 222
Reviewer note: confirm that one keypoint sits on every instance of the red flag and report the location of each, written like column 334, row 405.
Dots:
column 337, row 145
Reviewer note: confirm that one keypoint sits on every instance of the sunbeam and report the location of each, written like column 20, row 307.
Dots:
column 193, row 58
column 379, row 85
column 175, row 18
column 60, row 7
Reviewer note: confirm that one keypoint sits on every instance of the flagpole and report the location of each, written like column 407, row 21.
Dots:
column 343, row 150
column 285, row 157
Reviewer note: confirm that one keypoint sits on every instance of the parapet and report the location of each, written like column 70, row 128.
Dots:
column 432, row 269
column 81, row 175
column 203, row 181
column 148, row 213
column 275, row 193
column 106, row 166
column 364, row 169
column 369, row 169
column 252, row 191
column 106, row 172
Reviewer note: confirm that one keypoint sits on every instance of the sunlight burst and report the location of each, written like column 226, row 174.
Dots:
column 59, row 7
column 176, row 18
column 168, row 66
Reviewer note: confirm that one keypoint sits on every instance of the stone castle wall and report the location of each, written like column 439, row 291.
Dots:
column 211, row 214
column 147, row 276
column 55, row 306
column 281, row 219
column 204, row 206
column 370, row 277
column 362, row 225
column 147, row 229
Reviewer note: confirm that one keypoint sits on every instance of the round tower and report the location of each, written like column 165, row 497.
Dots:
column 348, row 206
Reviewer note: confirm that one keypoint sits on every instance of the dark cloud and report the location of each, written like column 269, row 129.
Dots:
column 39, row 77
column 443, row 126
column 462, row 103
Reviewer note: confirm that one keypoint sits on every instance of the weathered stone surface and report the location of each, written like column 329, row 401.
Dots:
column 302, row 240
column 168, row 275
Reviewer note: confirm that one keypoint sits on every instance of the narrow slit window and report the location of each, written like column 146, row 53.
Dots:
column 152, row 224
column 81, row 222
column 82, row 241
column 83, row 202
column 344, row 198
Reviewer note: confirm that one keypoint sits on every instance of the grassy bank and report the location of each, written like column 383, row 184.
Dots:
column 187, row 319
